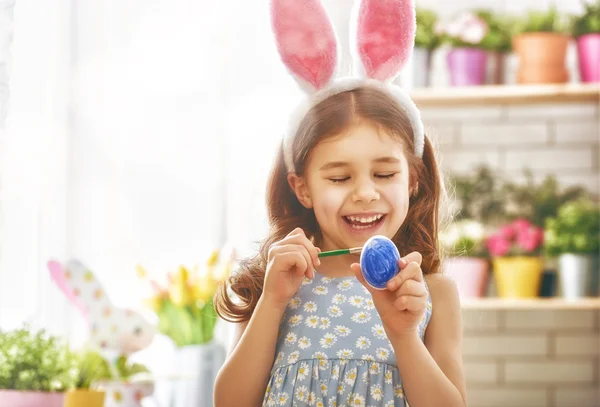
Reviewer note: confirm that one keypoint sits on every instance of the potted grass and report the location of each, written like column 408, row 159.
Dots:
column 574, row 236
column 467, row 58
column 35, row 369
column 426, row 42
column 466, row 258
column 541, row 43
column 586, row 31
column 516, row 250
column 91, row 367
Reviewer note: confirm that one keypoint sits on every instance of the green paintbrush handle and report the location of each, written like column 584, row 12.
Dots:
column 340, row 252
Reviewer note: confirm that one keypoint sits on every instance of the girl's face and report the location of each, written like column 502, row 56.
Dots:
column 357, row 183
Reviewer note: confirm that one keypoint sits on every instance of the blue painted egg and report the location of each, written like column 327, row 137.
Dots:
column 379, row 261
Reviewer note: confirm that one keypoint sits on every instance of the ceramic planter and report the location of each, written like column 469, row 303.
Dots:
column 84, row 398
column 13, row 398
column 198, row 366
column 471, row 275
column 518, row 276
column 588, row 56
column 124, row 393
column 542, row 58
column 467, row 66
column 495, row 68
column 421, row 58
column 578, row 275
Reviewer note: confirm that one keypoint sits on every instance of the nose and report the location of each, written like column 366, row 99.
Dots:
column 365, row 192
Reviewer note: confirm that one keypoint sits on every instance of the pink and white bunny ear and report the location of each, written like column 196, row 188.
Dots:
column 385, row 37
column 306, row 41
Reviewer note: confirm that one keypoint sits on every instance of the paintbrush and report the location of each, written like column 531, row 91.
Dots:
column 353, row 250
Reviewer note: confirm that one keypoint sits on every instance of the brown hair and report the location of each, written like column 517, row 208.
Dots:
column 419, row 232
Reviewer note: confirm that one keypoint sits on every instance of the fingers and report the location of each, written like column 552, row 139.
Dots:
column 297, row 236
column 306, row 266
column 412, row 271
column 410, row 303
column 412, row 287
column 411, row 257
column 294, row 260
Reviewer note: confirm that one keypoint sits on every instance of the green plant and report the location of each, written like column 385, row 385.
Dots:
column 91, row 367
column 426, row 36
column 35, row 361
column 538, row 201
column 464, row 238
column 575, row 229
column 499, row 35
column 588, row 22
column 479, row 196
column 542, row 21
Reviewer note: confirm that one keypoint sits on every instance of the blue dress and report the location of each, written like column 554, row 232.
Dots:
column 332, row 349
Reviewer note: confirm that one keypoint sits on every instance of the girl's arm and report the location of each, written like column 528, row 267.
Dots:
column 432, row 372
column 243, row 379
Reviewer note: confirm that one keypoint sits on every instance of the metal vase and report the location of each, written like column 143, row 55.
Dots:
column 578, row 275
column 197, row 367
column 422, row 67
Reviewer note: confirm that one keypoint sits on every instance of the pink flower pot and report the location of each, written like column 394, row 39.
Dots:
column 468, row 66
column 12, row 398
column 588, row 53
column 471, row 275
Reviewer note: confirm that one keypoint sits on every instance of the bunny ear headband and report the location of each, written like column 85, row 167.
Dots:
column 383, row 32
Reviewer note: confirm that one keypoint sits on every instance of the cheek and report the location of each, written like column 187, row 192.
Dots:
column 328, row 202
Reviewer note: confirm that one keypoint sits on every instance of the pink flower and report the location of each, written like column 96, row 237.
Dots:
column 474, row 31
column 498, row 245
column 507, row 232
column 521, row 226
column 530, row 239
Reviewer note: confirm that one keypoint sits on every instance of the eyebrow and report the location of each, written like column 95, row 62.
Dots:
column 337, row 164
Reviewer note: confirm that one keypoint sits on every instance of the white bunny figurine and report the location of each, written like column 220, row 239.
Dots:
column 112, row 329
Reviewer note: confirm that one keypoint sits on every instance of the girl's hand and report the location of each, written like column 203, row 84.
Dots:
column 402, row 304
column 290, row 260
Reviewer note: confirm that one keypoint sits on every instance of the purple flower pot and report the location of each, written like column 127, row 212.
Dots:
column 467, row 66
column 588, row 53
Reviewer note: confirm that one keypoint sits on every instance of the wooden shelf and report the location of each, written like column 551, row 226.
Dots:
column 508, row 94
column 530, row 304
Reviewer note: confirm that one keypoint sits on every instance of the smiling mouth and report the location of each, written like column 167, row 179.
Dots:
column 363, row 222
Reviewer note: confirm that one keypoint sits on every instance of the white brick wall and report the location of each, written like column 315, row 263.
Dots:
column 523, row 358
column 558, row 139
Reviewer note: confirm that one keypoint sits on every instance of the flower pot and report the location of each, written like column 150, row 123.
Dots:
column 495, row 68
column 588, row 55
column 542, row 58
column 13, row 398
column 578, row 275
column 467, row 66
column 518, row 277
column 84, row 398
column 421, row 58
column 124, row 393
column 470, row 275
column 198, row 366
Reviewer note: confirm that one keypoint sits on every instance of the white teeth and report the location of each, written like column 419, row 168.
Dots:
column 367, row 220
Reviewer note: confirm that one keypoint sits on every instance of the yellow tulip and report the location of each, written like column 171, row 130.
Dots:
column 179, row 291
column 204, row 287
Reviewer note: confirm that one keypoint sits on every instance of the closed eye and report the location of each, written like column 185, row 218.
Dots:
column 386, row 176
column 339, row 180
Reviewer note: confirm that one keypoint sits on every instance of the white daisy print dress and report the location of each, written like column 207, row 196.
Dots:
column 332, row 350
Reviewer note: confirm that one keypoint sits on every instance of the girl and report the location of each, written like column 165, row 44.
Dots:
column 354, row 163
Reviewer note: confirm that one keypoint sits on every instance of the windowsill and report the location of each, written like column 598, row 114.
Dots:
column 490, row 303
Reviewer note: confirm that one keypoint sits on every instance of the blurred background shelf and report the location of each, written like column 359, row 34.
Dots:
column 507, row 94
column 534, row 303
